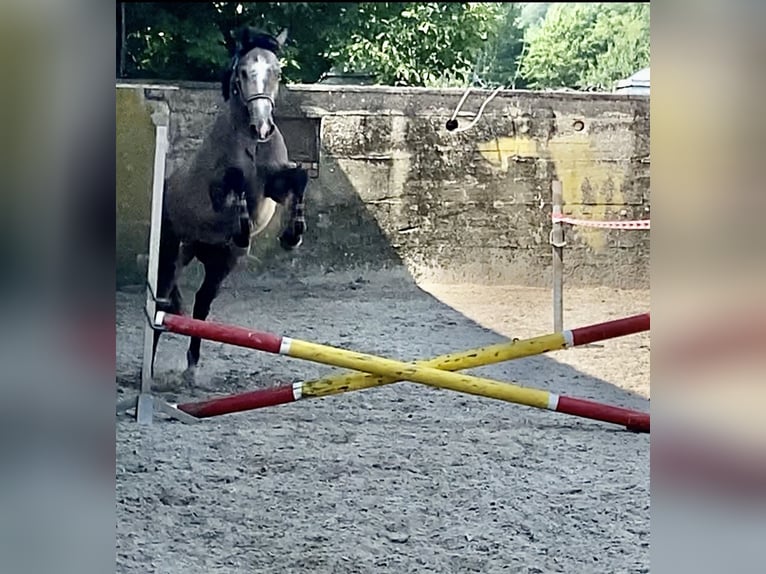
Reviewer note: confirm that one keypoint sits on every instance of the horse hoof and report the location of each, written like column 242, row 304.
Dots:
column 242, row 241
column 189, row 376
column 290, row 242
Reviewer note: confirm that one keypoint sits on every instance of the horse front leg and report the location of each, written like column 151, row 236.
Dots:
column 292, row 235
column 230, row 193
column 174, row 257
column 290, row 182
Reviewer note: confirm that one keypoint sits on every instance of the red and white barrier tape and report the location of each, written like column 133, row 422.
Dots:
column 641, row 224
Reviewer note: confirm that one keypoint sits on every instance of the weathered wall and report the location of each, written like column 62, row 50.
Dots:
column 394, row 185
column 135, row 157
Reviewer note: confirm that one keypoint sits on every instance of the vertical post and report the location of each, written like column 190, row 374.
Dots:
column 161, row 119
column 557, row 243
column 123, row 40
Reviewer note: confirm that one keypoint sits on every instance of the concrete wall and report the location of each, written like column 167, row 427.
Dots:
column 135, row 157
column 394, row 186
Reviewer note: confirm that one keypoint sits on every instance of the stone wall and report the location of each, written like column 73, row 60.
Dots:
column 394, row 186
column 134, row 163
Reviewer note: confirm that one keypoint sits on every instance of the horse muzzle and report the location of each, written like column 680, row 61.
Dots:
column 260, row 108
column 262, row 131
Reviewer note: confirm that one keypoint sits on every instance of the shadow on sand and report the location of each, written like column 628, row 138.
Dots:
column 346, row 287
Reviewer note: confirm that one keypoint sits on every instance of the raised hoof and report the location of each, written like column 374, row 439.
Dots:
column 289, row 241
column 242, row 241
column 299, row 227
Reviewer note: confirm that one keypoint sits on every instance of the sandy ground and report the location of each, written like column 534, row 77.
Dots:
column 400, row 479
column 524, row 312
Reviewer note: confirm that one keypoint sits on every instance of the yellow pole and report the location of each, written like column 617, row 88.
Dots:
column 397, row 370
column 458, row 361
column 430, row 376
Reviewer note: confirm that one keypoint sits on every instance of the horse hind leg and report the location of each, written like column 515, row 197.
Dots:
column 218, row 261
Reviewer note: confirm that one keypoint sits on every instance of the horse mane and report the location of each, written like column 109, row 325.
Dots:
column 249, row 39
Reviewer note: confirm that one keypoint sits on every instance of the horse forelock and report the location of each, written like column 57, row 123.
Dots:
column 252, row 38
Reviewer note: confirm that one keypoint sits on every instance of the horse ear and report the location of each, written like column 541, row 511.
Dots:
column 282, row 38
column 226, row 85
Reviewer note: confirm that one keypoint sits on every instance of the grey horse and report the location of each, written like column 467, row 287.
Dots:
column 216, row 204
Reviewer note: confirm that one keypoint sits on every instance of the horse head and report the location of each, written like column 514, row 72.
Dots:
column 251, row 83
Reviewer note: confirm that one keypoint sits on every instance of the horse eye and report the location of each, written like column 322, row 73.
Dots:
column 243, row 73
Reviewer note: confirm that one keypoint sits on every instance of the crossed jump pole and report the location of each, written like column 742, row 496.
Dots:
column 436, row 372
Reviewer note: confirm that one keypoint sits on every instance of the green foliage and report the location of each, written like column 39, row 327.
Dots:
column 169, row 41
column 190, row 40
column 498, row 62
column 414, row 43
column 536, row 45
column 532, row 13
column 587, row 45
column 401, row 43
column 627, row 51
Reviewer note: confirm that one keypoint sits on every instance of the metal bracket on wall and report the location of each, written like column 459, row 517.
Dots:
column 302, row 138
column 556, row 237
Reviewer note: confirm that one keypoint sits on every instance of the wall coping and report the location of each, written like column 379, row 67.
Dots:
column 389, row 90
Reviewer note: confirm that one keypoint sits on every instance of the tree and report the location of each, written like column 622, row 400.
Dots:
column 532, row 13
column 587, row 45
column 628, row 50
column 168, row 41
column 498, row 62
column 190, row 40
column 400, row 43
column 534, row 45
column 414, row 43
